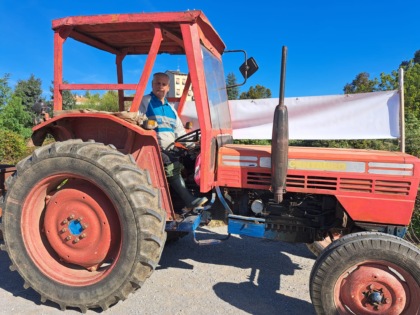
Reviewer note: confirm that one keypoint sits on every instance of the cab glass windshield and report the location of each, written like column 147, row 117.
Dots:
column 216, row 90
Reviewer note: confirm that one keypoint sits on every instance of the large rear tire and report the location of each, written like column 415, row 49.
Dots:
column 370, row 274
column 82, row 224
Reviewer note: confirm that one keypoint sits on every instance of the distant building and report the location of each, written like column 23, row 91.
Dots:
column 92, row 100
column 178, row 81
column 80, row 100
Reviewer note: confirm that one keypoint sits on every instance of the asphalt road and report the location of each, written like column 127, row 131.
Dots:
column 242, row 275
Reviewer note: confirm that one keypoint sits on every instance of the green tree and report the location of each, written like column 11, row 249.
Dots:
column 256, row 92
column 12, row 147
column 5, row 90
column 109, row 102
column 412, row 89
column 412, row 134
column 69, row 100
column 15, row 118
column 416, row 58
column 388, row 82
column 412, row 105
column 29, row 91
column 93, row 100
column 233, row 92
column 361, row 84
column 87, row 94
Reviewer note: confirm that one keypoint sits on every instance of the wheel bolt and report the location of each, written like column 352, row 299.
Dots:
column 79, row 219
column 76, row 240
column 63, row 230
column 68, row 238
column 71, row 217
column 64, row 221
column 82, row 236
column 84, row 226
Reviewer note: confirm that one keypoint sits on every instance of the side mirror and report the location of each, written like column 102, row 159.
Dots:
column 247, row 69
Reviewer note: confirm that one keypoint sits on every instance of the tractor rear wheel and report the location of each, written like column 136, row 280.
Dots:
column 82, row 224
column 367, row 275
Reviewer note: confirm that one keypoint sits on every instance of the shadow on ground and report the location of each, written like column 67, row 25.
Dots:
column 263, row 293
column 259, row 294
column 12, row 282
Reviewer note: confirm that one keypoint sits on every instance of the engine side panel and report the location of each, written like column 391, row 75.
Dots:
column 372, row 186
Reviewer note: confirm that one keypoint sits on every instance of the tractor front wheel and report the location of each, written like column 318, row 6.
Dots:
column 82, row 224
column 368, row 275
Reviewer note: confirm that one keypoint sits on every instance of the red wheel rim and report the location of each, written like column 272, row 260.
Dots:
column 376, row 287
column 71, row 231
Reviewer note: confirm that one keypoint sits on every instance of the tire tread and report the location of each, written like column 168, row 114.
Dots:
column 144, row 201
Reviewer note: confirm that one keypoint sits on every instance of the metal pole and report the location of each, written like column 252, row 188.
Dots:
column 280, row 139
column 402, row 114
column 283, row 75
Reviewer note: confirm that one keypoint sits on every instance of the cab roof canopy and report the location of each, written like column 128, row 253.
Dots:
column 132, row 34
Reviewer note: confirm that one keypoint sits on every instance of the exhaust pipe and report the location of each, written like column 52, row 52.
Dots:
column 280, row 139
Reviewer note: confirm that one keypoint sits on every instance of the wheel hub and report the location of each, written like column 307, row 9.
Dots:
column 375, row 297
column 77, row 226
column 372, row 287
column 73, row 230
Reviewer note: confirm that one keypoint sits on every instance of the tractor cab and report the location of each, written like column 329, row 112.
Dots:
column 155, row 39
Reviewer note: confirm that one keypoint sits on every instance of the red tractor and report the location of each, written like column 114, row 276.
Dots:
column 85, row 218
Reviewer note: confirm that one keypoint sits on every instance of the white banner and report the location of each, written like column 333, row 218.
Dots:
column 351, row 116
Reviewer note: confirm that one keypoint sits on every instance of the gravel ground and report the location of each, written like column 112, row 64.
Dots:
column 242, row 275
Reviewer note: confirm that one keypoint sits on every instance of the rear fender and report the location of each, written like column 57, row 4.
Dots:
column 127, row 137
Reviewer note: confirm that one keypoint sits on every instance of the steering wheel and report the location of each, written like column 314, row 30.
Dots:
column 190, row 137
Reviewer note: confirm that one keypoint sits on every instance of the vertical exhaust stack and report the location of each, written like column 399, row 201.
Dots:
column 280, row 139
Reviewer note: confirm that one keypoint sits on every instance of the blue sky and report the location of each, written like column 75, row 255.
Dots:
column 329, row 42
